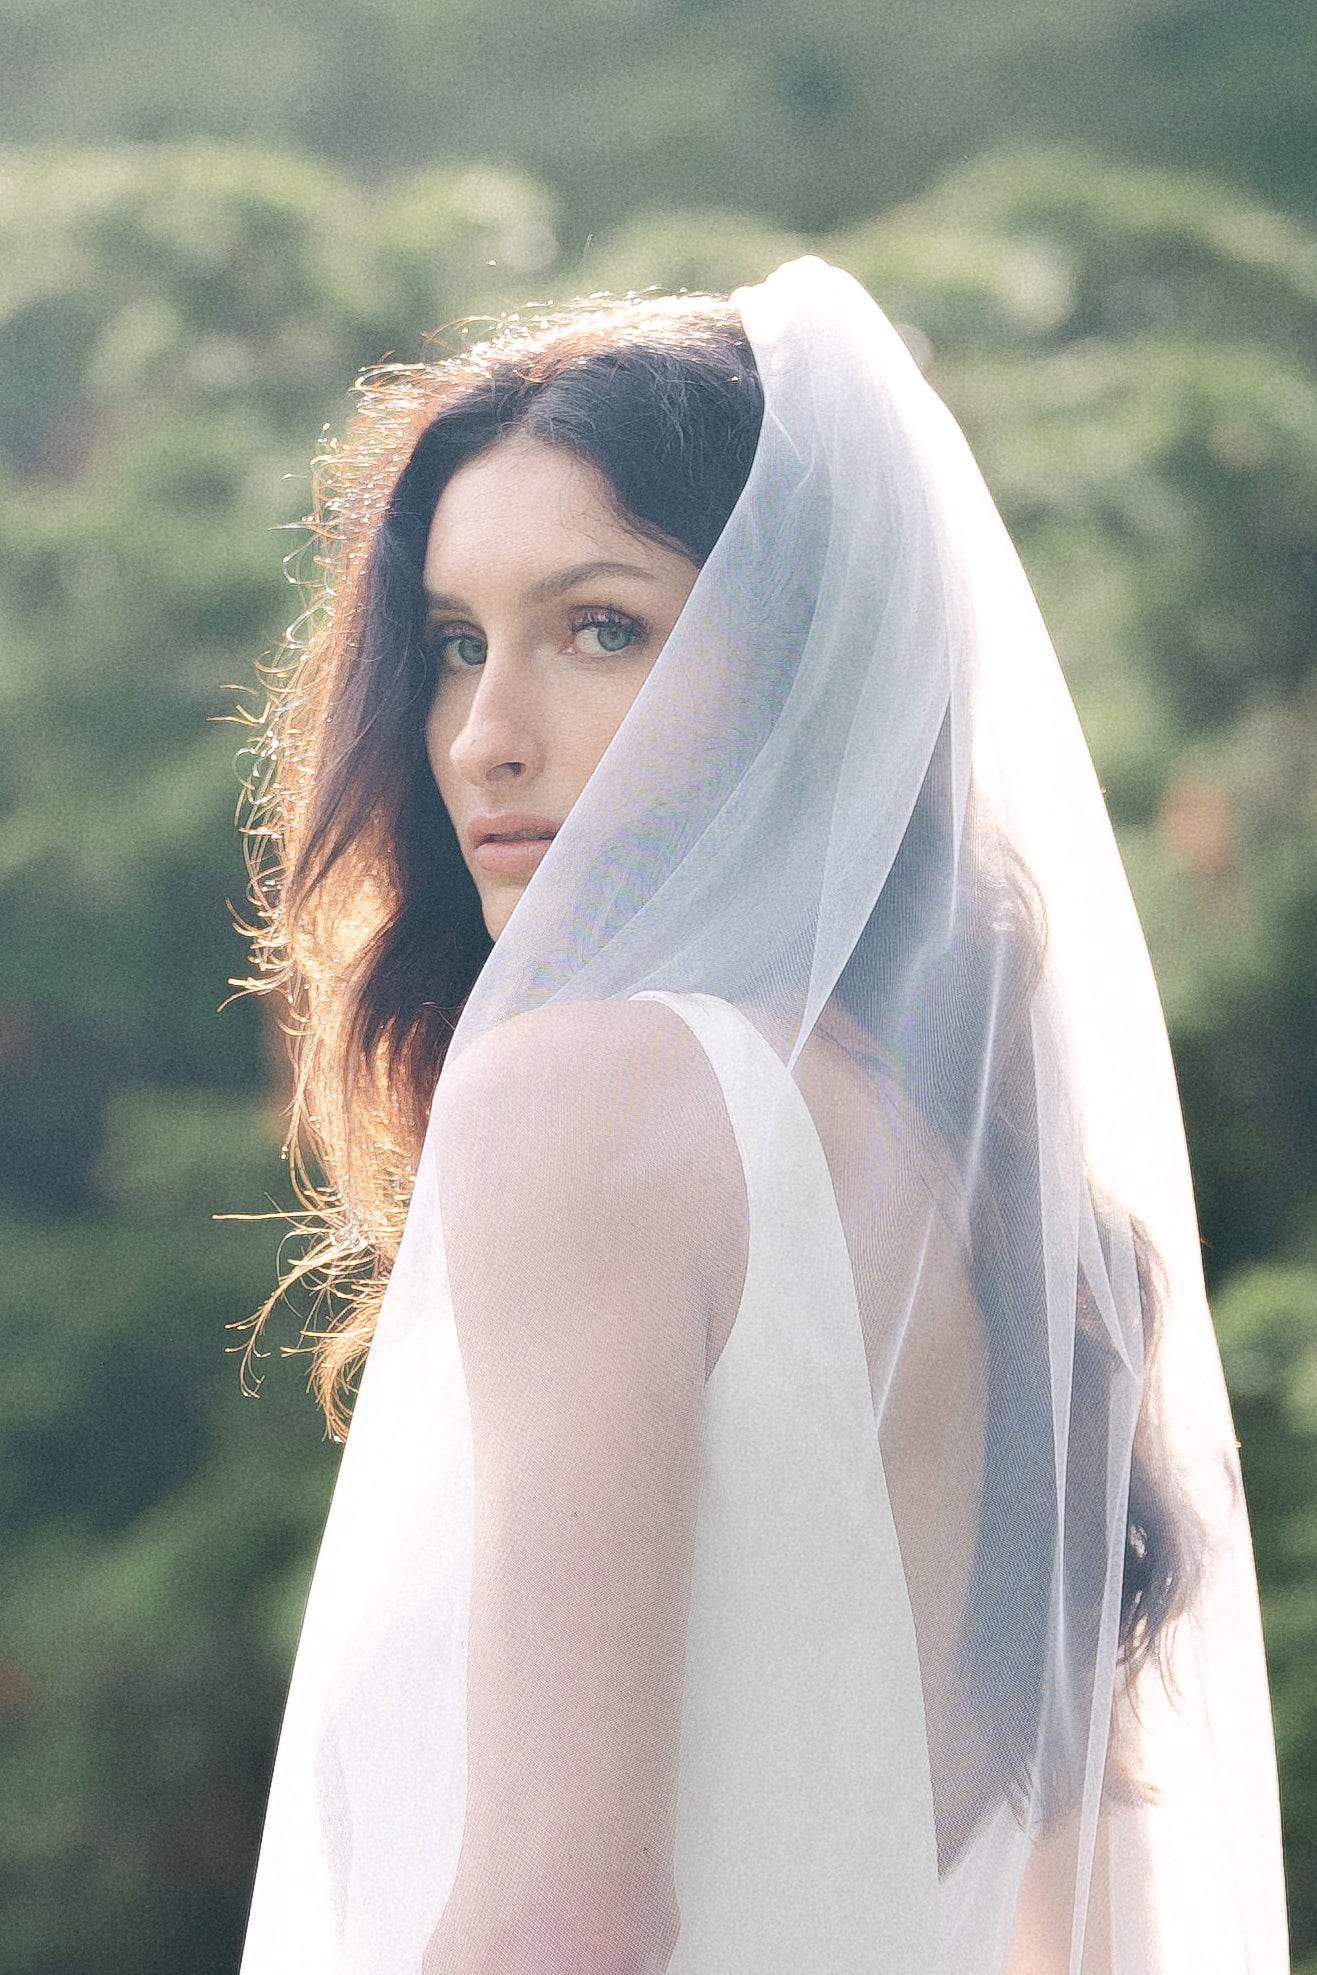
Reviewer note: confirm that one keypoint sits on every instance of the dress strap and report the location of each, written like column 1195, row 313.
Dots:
column 767, row 1110
column 792, row 1207
column 803, row 1721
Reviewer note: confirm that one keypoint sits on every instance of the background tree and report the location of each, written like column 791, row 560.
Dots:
column 1131, row 353
column 816, row 115
column 174, row 328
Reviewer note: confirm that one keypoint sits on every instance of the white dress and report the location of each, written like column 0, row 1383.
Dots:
column 805, row 1834
column 851, row 796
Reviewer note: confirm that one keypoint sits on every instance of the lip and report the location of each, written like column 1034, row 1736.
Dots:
column 512, row 822
column 534, row 834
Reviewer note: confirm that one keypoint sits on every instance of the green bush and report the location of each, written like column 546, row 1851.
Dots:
column 1131, row 354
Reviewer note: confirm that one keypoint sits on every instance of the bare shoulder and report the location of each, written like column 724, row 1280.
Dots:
column 589, row 1179
column 601, row 1060
column 618, row 1096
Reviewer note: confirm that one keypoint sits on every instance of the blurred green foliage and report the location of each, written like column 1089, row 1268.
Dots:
column 1132, row 354
column 817, row 114
column 174, row 328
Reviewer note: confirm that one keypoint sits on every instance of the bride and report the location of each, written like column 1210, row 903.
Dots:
column 790, row 1523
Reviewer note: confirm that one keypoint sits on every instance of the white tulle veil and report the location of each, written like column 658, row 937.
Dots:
column 853, row 801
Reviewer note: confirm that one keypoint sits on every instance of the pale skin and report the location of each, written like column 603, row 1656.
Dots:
column 543, row 628
column 585, row 1379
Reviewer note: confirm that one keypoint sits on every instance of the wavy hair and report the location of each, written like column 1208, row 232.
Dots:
column 368, row 923
column 366, row 919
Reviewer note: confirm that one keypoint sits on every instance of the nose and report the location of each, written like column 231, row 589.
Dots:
column 498, row 741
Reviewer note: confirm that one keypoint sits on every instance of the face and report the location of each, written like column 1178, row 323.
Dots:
column 545, row 615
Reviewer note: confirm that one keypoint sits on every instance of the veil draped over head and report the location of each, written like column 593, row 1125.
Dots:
column 853, row 803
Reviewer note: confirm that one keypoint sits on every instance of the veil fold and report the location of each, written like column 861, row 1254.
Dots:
column 852, row 801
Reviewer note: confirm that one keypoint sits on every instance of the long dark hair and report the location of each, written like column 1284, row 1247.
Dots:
column 368, row 921
column 959, row 1024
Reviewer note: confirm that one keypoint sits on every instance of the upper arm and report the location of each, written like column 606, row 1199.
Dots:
column 594, row 1223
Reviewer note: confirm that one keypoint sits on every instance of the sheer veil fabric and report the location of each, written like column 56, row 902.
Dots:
column 827, row 1021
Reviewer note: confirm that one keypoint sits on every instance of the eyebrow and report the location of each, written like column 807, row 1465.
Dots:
column 556, row 586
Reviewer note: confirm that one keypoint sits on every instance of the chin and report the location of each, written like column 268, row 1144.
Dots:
column 497, row 911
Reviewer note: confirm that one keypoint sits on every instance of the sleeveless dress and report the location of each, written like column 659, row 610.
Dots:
column 805, row 1833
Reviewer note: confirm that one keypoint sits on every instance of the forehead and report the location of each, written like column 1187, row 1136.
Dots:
column 518, row 510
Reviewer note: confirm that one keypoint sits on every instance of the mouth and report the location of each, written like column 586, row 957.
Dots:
column 512, row 845
column 513, row 856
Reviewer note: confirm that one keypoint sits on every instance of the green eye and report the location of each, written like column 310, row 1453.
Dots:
column 610, row 634
column 459, row 650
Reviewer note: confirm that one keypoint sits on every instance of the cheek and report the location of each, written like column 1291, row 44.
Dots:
column 440, row 733
column 583, row 746
column 596, row 719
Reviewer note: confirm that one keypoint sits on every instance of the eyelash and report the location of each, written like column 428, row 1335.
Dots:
column 440, row 635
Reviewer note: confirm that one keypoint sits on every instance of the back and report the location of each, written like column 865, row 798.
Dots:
column 834, row 1811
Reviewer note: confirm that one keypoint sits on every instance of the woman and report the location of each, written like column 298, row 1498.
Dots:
column 790, row 1520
